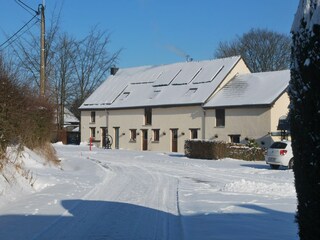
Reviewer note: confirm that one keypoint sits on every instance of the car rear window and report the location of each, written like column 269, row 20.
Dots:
column 278, row 145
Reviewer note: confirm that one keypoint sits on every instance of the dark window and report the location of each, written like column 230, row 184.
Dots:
column 191, row 91
column 156, row 135
column 220, row 117
column 235, row 138
column 93, row 117
column 133, row 134
column 93, row 132
column 123, row 96
column 155, row 93
column 278, row 145
column 193, row 133
column 147, row 116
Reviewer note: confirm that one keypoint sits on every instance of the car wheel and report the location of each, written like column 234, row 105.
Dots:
column 290, row 164
column 274, row 166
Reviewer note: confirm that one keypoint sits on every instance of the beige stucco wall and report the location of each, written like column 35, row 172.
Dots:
column 279, row 109
column 247, row 122
column 125, row 120
column 250, row 122
column 86, row 124
column 164, row 119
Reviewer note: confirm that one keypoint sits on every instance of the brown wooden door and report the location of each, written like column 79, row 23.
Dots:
column 144, row 140
column 174, row 140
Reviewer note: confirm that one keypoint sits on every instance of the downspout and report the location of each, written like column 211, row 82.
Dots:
column 203, row 124
column 107, row 121
column 106, row 129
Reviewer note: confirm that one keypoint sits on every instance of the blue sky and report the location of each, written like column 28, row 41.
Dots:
column 154, row 32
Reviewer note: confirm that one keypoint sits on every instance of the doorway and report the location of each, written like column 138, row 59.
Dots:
column 116, row 137
column 144, row 140
column 174, row 140
column 103, row 136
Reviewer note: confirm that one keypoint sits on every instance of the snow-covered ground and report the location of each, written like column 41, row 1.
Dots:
column 119, row 194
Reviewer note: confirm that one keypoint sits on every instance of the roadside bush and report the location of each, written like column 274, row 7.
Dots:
column 205, row 149
column 39, row 119
column 217, row 149
column 245, row 152
column 25, row 119
column 11, row 106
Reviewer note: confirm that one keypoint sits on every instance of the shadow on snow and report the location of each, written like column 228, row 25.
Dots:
column 113, row 220
column 266, row 166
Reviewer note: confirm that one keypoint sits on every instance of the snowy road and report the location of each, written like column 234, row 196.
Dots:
column 109, row 194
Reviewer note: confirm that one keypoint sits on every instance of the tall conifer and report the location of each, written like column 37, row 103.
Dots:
column 304, row 92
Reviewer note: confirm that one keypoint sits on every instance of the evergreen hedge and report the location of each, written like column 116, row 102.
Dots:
column 204, row 149
column 304, row 117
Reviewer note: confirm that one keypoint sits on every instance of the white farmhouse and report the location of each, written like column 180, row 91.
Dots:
column 157, row 108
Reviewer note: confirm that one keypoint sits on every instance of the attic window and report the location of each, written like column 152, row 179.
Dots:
column 191, row 91
column 124, row 96
column 154, row 93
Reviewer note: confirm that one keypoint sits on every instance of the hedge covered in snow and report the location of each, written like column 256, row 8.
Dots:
column 204, row 149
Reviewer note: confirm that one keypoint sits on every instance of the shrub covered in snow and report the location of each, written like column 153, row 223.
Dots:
column 204, row 149
column 25, row 118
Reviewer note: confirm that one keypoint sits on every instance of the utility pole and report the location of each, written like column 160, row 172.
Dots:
column 42, row 51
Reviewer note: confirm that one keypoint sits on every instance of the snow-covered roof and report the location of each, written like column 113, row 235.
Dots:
column 173, row 84
column 69, row 117
column 251, row 89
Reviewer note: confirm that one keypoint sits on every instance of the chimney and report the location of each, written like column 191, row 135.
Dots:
column 113, row 70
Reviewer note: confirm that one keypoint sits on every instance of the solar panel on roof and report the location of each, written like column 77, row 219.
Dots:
column 207, row 74
column 188, row 72
column 168, row 74
column 147, row 76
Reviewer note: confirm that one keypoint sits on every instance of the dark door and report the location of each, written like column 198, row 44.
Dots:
column 103, row 137
column 144, row 140
column 116, row 137
column 174, row 140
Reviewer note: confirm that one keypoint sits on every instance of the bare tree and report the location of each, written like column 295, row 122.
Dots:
column 27, row 52
column 74, row 68
column 91, row 62
column 261, row 49
column 62, row 83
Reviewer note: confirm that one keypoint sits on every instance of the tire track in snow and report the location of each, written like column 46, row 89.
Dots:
column 139, row 204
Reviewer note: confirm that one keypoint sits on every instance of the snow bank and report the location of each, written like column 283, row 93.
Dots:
column 270, row 189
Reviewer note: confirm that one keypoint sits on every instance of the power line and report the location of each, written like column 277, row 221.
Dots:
column 31, row 11
column 17, row 32
column 26, row 7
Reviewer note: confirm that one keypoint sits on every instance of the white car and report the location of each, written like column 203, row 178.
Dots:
column 280, row 154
